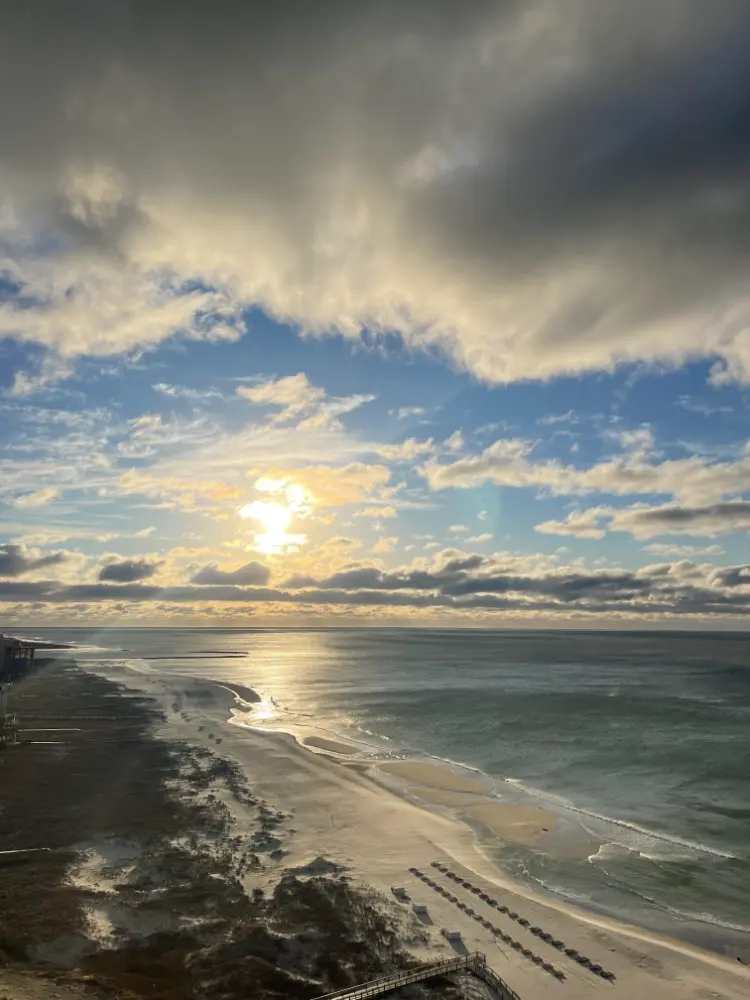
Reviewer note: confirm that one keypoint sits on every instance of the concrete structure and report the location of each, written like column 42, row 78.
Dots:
column 16, row 657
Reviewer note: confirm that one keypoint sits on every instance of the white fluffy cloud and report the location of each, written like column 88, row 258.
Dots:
column 493, row 180
column 296, row 399
column 509, row 462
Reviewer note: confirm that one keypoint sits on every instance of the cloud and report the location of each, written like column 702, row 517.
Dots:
column 16, row 560
column 501, row 584
column 455, row 442
column 384, row 545
column 509, row 462
column 296, row 398
column 406, row 451
column 186, row 392
column 682, row 551
column 409, row 411
column 386, row 511
column 579, row 523
column 335, row 486
column 50, row 370
column 250, row 575
column 128, row 571
column 39, row 498
column 480, row 539
column 491, row 180
column 569, row 417
column 644, row 521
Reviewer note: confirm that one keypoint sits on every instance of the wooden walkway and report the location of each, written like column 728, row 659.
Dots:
column 474, row 963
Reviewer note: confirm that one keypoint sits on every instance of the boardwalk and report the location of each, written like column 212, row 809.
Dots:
column 475, row 963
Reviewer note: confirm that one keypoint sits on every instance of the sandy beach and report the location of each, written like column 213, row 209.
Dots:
column 377, row 836
column 281, row 824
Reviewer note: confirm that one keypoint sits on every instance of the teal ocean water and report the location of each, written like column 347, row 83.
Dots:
column 639, row 742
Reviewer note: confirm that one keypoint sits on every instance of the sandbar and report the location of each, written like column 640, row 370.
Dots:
column 434, row 776
column 520, row 824
column 332, row 746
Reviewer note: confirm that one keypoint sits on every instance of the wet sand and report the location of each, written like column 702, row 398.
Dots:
column 513, row 823
column 435, row 776
column 332, row 746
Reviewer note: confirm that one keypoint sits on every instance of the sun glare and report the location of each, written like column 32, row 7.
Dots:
column 275, row 516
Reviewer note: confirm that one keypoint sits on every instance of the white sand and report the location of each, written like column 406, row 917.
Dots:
column 435, row 776
column 340, row 814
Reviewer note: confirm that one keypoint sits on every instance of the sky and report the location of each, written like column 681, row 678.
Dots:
column 375, row 314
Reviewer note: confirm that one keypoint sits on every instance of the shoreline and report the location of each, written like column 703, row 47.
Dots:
column 711, row 937
column 492, row 827
column 470, row 797
column 344, row 788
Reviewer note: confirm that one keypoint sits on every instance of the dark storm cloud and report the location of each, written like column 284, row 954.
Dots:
column 453, row 580
column 717, row 518
column 249, row 575
column 15, row 560
column 535, row 187
column 128, row 571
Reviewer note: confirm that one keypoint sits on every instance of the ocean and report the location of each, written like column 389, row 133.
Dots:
column 639, row 742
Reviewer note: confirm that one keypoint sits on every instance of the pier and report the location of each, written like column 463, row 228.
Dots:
column 475, row 964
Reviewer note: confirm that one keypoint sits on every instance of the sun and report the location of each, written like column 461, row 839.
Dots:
column 275, row 516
